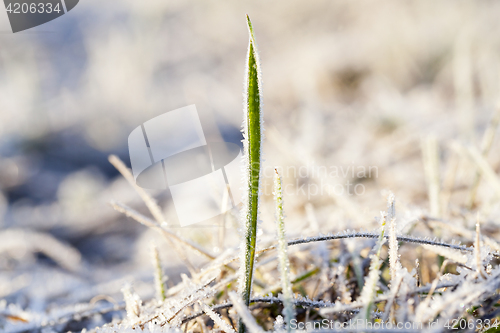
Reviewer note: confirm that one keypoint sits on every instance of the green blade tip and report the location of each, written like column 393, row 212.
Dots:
column 250, row 28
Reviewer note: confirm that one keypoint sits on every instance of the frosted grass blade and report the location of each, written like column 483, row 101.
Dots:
column 252, row 131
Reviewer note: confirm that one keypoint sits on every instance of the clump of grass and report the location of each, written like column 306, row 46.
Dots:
column 252, row 131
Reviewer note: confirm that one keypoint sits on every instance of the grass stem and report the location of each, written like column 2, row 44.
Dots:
column 286, row 285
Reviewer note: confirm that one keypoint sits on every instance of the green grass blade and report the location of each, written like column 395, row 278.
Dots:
column 158, row 275
column 252, row 131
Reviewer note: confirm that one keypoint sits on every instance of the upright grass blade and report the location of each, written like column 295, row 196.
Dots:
column 288, row 307
column 252, row 131
column 370, row 288
column 394, row 263
column 158, row 276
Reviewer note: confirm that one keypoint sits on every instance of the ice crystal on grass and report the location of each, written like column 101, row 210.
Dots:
column 477, row 251
column 394, row 263
column 216, row 318
column 158, row 274
column 132, row 305
column 371, row 282
column 283, row 262
column 279, row 324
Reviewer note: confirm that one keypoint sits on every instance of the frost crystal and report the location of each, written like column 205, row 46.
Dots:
column 132, row 304
column 283, row 262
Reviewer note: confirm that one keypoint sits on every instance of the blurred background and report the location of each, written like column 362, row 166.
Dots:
column 345, row 84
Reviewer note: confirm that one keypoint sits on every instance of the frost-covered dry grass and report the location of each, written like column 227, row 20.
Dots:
column 388, row 97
